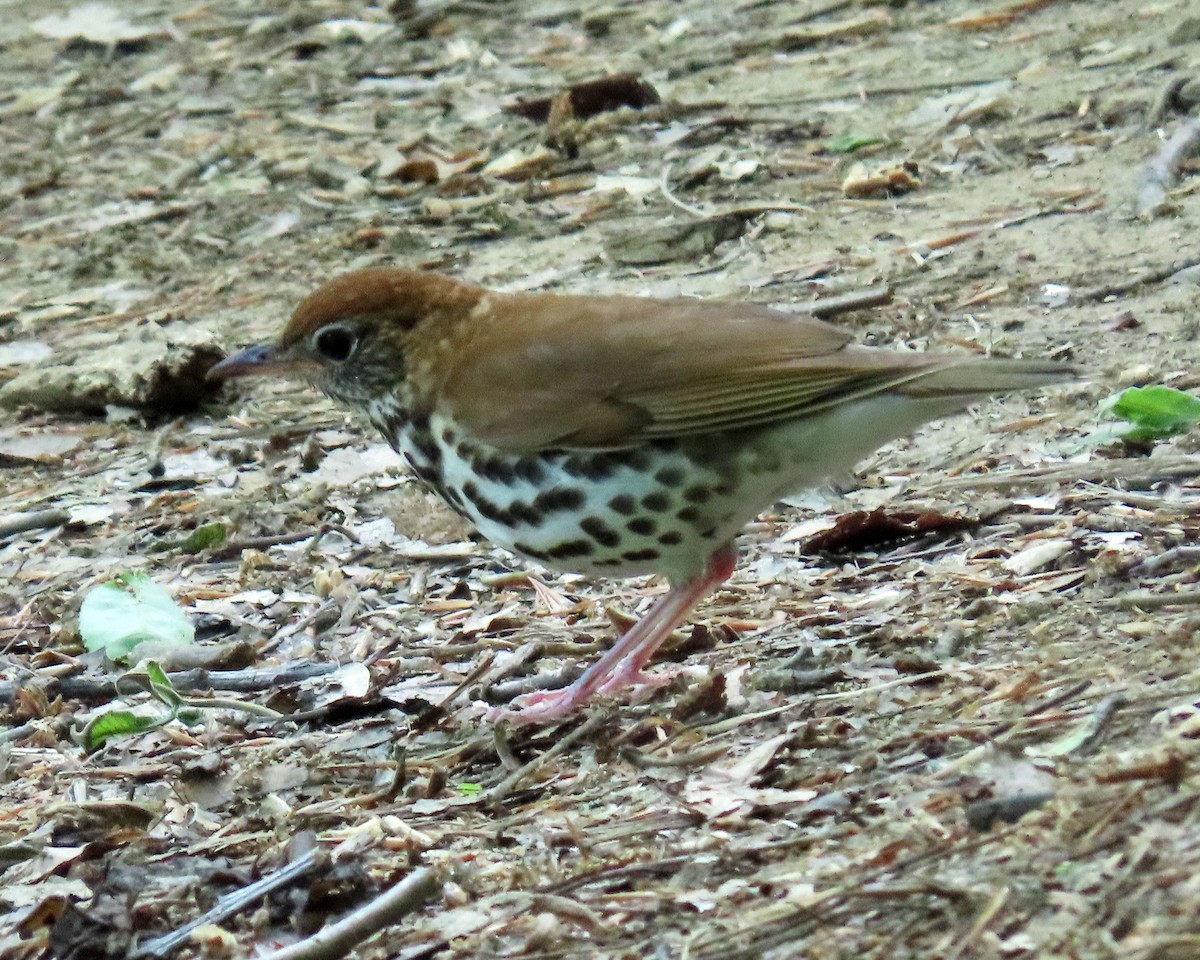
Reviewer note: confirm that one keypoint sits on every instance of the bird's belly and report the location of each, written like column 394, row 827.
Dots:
column 647, row 509
column 660, row 507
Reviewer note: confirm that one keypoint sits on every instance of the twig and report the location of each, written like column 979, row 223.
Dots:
column 1166, row 96
column 1145, row 277
column 33, row 520
column 1157, row 175
column 989, row 913
column 863, row 299
column 338, row 939
column 858, row 93
column 1105, row 710
column 233, row 549
column 294, row 628
column 1146, row 600
column 1188, row 553
column 233, row 903
column 879, row 687
column 1132, row 470
column 1146, row 501
column 99, row 689
column 664, row 187
column 194, row 166
column 654, row 868
column 500, row 791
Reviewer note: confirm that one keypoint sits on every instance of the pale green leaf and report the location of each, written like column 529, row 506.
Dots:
column 118, row 723
column 1153, row 412
column 116, row 617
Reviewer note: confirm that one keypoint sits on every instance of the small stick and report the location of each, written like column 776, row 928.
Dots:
column 233, row 903
column 33, row 520
column 989, row 913
column 95, row 689
column 664, row 187
column 1162, row 102
column 231, row 550
column 1145, row 600
column 1151, row 565
column 1106, row 709
column 1124, row 470
column 1157, row 175
column 338, row 939
column 1140, row 279
column 864, row 299
column 500, row 791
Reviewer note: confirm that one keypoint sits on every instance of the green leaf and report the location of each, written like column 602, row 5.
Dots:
column 851, row 143
column 119, row 723
column 116, row 617
column 160, row 686
column 204, row 537
column 470, row 789
column 1153, row 412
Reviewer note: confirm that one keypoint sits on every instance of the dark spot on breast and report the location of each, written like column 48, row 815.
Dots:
column 633, row 458
column 530, row 551
column 559, row 498
column 521, row 512
column 530, row 469
column 449, row 436
column 642, row 525
column 656, row 501
column 591, row 466
column 697, row 494
column 571, row 548
column 419, row 421
column 611, row 562
column 483, row 506
column 670, row 538
column 517, row 512
column 669, row 476
column 724, row 488
column 497, row 470
column 688, row 515
column 623, row 504
column 426, row 446
column 600, row 531
column 647, row 554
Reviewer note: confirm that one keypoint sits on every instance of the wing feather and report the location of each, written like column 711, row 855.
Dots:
column 540, row 371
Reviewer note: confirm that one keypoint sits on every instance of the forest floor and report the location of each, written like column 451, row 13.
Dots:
column 971, row 743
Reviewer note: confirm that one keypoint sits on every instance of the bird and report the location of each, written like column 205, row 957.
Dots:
column 613, row 435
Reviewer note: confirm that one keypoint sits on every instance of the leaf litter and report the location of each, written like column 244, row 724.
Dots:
column 814, row 781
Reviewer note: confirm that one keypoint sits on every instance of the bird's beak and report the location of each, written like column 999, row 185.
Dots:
column 254, row 361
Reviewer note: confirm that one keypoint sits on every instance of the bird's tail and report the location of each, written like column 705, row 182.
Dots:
column 976, row 378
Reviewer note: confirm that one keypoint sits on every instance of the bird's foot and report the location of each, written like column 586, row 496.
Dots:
column 631, row 675
column 541, row 706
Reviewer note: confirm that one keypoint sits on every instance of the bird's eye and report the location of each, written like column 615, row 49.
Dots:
column 335, row 343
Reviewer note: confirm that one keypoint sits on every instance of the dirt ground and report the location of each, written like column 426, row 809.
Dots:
column 970, row 744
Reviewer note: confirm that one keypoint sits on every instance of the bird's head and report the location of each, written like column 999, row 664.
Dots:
column 351, row 337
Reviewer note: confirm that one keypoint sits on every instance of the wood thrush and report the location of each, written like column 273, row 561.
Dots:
column 612, row 435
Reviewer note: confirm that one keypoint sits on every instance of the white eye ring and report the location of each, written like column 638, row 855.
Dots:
column 335, row 343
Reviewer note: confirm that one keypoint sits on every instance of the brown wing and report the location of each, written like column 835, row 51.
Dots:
column 537, row 371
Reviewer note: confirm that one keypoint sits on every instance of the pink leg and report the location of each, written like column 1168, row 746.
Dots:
column 622, row 665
